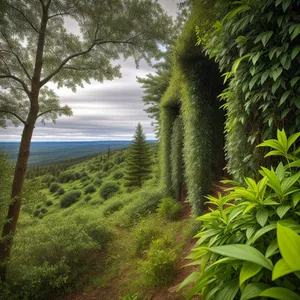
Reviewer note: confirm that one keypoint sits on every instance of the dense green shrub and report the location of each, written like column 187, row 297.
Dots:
column 66, row 176
column 44, row 210
column 253, row 241
column 144, row 235
column 100, row 234
column 144, row 202
column 90, row 189
column 87, row 198
column 84, row 178
column 107, row 166
column 50, row 256
column 108, row 190
column 118, row 175
column 169, row 208
column 69, row 198
column 36, row 213
column 60, row 191
column 98, row 182
column 54, row 187
column 97, row 202
column 112, row 207
column 159, row 266
column 49, row 203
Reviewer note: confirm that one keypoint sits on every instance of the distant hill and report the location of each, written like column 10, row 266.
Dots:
column 48, row 153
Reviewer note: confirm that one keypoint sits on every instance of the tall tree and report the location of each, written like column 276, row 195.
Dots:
column 139, row 160
column 37, row 46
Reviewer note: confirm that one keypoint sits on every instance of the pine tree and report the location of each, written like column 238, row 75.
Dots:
column 139, row 160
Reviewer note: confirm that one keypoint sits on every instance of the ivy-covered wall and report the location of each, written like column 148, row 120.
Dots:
column 192, row 97
column 257, row 47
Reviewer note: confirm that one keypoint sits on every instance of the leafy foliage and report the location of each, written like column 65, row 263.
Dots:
column 139, row 163
column 257, row 47
column 251, row 235
column 108, row 189
column 169, row 208
column 69, row 198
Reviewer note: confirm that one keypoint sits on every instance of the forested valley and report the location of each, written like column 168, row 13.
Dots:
column 211, row 209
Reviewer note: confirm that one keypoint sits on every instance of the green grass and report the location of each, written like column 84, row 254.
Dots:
column 90, row 243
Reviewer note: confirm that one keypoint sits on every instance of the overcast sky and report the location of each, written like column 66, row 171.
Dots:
column 101, row 111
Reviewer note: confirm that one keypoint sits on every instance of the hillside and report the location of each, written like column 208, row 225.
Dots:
column 99, row 237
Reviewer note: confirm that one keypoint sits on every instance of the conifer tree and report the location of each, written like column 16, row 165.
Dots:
column 139, row 160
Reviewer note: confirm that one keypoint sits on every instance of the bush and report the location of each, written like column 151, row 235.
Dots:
column 159, row 267
column 255, row 226
column 49, row 203
column 44, row 210
column 54, row 187
column 60, row 191
column 118, row 175
column 87, row 198
column 112, row 207
column 66, row 176
column 98, row 182
column 107, row 166
column 144, row 236
column 50, row 257
column 100, row 234
column 169, row 208
column 36, row 213
column 69, row 198
column 145, row 202
column 84, row 178
column 90, row 189
column 108, row 190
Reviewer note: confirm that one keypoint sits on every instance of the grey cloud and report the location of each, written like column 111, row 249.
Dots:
column 102, row 111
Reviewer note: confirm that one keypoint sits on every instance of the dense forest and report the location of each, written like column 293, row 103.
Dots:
column 210, row 211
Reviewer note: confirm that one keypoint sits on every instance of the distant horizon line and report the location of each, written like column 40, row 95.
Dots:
column 72, row 141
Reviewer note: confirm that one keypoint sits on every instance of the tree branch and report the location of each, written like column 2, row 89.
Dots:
column 95, row 43
column 14, row 114
column 27, row 91
column 19, row 61
column 51, row 110
column 23, row 15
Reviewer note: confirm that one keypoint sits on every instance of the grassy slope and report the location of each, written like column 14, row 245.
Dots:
column 62, row 236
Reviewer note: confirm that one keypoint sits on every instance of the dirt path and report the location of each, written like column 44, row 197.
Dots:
column 110, row 291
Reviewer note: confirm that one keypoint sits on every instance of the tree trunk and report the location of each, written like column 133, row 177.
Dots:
column 15, row 206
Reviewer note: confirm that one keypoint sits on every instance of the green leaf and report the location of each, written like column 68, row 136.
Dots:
column 262, row 231
column 253, row 290
column 282, row 210
column 191, row 278
column 237, row 63
column 264, row 76
column 296, row 31
column 256, row 57
column 262, row 216
column 243, row 252
column 280, row 269
column 289, row 182
column 280, row 294
column 289, row 245
column 272, row 249
column 229, row 291
column 294, row 80
column 292, row 139
column 295, row 51
column 284, row 97
column 266, row 37
column 296, row 198
column 248, row 270
column 286, row 4
column 276, row 73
